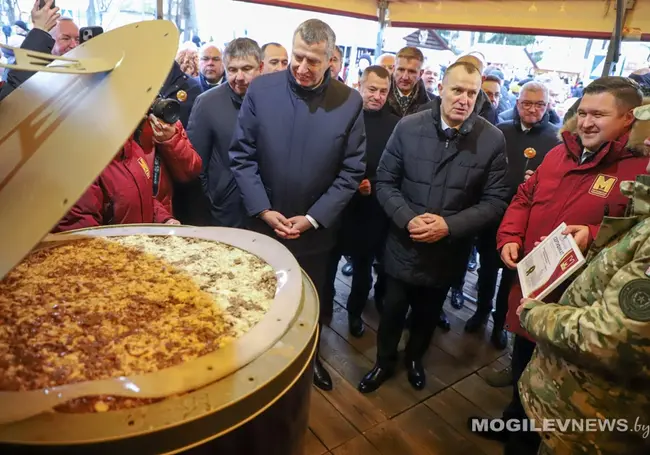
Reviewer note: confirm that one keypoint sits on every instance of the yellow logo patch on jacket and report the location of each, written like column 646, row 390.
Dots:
column 603, row 185
column 144, row 167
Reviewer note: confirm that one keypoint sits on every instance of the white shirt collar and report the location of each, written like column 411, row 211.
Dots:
column 524, row 129
column 443, row 124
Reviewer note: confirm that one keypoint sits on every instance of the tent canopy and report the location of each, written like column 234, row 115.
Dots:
column 572, row 18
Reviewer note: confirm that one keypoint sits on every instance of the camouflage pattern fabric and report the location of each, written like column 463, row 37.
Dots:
column 544, row 450
column 592, row 359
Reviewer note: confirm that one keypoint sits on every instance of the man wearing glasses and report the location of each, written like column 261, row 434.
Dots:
column 210, row 67
column 577, row 184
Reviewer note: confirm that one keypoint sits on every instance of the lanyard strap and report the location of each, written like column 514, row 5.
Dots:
column 156, row 174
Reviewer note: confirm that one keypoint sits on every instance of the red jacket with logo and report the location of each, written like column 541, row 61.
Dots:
column 121, row 195
column 563, row 190
column 177, row 160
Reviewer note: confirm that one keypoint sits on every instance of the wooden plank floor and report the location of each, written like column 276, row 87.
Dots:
column 396, row 419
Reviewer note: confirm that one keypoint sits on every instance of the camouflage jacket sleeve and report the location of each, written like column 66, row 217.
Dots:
column 610, row 326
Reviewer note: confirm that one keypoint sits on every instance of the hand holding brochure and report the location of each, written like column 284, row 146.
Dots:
column 550, row 263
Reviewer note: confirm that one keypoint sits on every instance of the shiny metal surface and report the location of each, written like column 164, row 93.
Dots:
column 267, row 400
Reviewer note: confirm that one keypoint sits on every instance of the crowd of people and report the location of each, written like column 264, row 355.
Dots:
column 407, row 179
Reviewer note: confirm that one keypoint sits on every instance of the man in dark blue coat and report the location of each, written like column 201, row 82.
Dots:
column 298, row 156
column 211, row 128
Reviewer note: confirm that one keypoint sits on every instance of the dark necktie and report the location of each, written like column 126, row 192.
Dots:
column 450, row 133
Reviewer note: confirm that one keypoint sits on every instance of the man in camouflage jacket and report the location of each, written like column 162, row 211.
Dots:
column 592, row 359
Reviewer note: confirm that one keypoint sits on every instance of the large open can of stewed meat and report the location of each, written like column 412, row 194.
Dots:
column 254, row 391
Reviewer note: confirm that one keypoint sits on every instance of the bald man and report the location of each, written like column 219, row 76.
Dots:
column 211, row 71
column 387, row 61
column 66, row 36
column 275, row 58
column 51, row 34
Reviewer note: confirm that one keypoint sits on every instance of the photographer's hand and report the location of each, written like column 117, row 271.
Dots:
column 45, row 18
column 162, row 132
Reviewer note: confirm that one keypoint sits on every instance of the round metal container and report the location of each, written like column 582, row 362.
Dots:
column 261, row 408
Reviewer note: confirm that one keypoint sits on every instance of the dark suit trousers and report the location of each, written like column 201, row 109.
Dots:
column 487, row 278
column 361, row 280
column 315, row 266
column 425, row 303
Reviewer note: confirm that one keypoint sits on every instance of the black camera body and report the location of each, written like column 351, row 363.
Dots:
column 166, row 109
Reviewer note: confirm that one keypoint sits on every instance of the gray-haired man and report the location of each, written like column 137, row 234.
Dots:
column 298, row 156
column 211, row 128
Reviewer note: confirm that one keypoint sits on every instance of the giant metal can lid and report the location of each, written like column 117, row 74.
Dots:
column 59, row 131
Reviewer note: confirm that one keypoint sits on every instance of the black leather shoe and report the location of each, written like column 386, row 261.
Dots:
column 374, row 379
column 476, row 322
column 499, row 339
column 475, row 423
column 457, row 298
column 416, row 375
column 443, row 322
column 356, row 327
column 322, row 378
column 347, row 269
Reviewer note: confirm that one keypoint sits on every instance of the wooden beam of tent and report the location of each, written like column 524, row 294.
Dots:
column 571, row 18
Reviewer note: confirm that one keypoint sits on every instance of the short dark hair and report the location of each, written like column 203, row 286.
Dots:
column 471, row 69
column 493, row 78
column 380, row 71
column 242, row 48
column 627, row 92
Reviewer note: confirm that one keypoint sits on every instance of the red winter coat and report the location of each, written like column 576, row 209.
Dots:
column 121, row 195
column 562, row 190
column 179, row 162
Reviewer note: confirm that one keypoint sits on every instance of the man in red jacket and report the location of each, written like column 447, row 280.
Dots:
column 170, row 156
column 577, row 183
column 121, row 195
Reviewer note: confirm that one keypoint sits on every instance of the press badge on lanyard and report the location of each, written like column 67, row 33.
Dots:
column 156, row 175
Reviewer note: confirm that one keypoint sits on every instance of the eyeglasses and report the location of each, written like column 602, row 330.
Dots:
column 528, row 104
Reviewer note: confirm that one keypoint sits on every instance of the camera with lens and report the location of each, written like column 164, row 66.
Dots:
column 166, row 109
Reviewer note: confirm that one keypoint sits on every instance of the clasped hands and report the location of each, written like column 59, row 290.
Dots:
column 428, row 228
column 286, row 228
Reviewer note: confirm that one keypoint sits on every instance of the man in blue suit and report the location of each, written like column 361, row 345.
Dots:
column 298, row 156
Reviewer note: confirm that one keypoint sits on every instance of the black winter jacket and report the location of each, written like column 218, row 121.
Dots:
column 211, row 129
column 462, row 180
